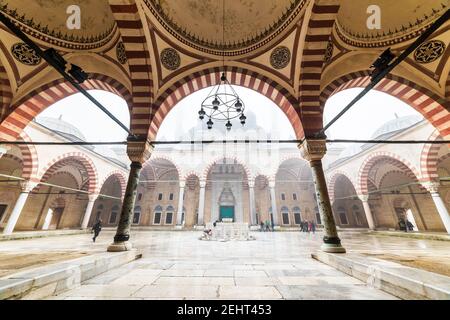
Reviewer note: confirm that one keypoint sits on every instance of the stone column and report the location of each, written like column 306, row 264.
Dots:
column 433, row 188
column 26, row 186
column 180, row 203
column 138, row 152
column 88, row 212
column 252, row 206
column 273, row 200
column 365, row 201
column 201, row 203
column 313, row 151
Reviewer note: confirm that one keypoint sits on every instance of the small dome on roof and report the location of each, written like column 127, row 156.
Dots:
column 397, row 124
column 60, row 125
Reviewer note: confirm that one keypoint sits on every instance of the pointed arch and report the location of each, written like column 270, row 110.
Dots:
column 29, row 106
column 433, row 107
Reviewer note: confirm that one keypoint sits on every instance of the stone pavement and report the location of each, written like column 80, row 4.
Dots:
column 176, row 265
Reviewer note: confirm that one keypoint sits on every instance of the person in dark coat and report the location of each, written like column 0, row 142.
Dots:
column 313, row 227
column 97, row 228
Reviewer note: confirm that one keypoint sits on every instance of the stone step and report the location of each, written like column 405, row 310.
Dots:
column 21, row 235
column 41, row 282
column 401, row 281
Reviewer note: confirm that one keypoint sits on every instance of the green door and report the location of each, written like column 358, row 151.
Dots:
column 227, row 212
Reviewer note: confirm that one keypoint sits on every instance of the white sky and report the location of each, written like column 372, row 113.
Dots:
column 358, row 123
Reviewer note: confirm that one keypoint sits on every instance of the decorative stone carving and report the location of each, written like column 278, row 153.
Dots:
column 429, row 51
column 329, row 52
column 280, row 57
column 170, row 59
column 431, row 186
column 313, row 150
column 121, row 53
column 139, row 151
column 26, row 55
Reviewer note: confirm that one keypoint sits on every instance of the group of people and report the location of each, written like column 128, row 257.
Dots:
column 265, row 226
column 405, row 225
column 307, row 226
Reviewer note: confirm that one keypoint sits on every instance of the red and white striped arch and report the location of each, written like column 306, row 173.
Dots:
column 332, row 182
column 5, row 93
column 120, row 176
column 429, row 158
column 217, row 160
column 320, row 25
column 431, row 106
column 388, row 158
column 30, row 158
column 65, row 159
column 28, row 107
column 155, row 157
column 126, row 14
column 236, row 76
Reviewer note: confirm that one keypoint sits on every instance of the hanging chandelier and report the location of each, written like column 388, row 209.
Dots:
column 222, row 103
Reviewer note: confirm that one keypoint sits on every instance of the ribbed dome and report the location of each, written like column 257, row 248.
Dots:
column 396, row 125
column 60, row 126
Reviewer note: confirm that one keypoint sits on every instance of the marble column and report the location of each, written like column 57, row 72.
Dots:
column 26, row 186
column 369, row 217
column 180, row 203
column 273, row 199
column 433, row 188
column 88, row 211
column 313, row 150
column 252, row 205
column 201, row 203
column 138, row 152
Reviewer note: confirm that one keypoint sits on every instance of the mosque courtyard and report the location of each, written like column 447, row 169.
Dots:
column 176, row 265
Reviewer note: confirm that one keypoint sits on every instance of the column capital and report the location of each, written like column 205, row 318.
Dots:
column 93, row 197
column 363, row 197
column 202, row 183
column 27, row 185
column 251, row 183
column 138, row 150
column 313, row 149
column 182, row 183
column 431, row 186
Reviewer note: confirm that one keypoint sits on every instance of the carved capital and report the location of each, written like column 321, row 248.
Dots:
column 363, row 197
column 251, row 183
column 138, row 150
column 27, row 185
column 431, row 186
column 202, row 183
column 312, row 150
column 182, row 183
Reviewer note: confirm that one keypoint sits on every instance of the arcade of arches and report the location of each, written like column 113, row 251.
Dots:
column 296, row 53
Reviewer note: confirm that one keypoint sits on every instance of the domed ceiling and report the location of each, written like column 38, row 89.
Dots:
column 398, row 18
column 247, row 22
column 49, row 18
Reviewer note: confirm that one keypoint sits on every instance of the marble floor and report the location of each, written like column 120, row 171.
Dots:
column 176, row 265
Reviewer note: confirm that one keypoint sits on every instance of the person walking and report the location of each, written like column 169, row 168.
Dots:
column 97, row 228
column 261, row 226
column 313, row 227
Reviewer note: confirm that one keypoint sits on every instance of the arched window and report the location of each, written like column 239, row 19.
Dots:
column 137, row 215
column 285, row 215
column 157, row 215
column 169, row 215
column 357, row 215
column 99, row 212
column 297, row 215
column 342, row 215
column 114, row 214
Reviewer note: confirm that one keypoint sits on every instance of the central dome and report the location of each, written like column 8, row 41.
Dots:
column 247, row 22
